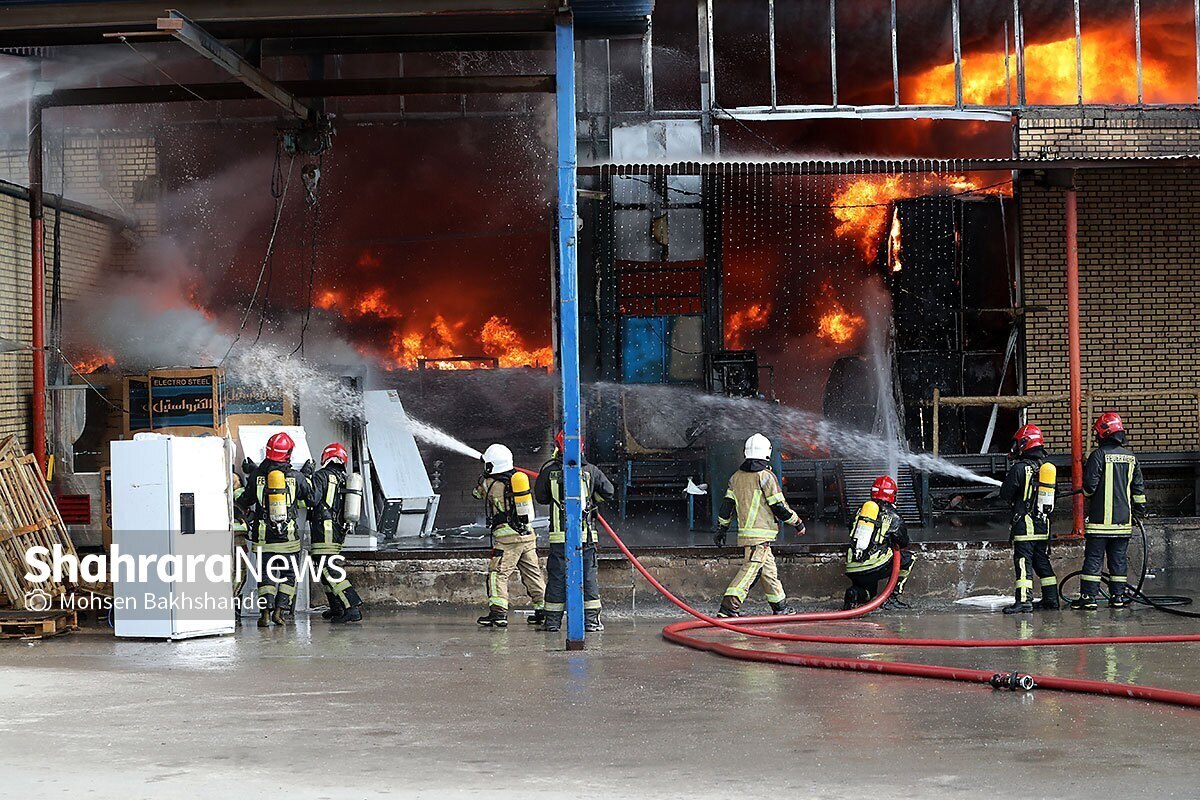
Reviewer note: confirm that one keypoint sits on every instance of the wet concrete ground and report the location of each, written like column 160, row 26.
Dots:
column 426, row 704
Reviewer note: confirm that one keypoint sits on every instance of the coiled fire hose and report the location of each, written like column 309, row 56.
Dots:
column 678, row 633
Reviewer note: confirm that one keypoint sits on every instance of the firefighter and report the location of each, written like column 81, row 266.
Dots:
column 1116, row 496
column 241, row 538
column 508, row 509
column 1029, row 490
column 274, row 494
column 328, row 528
column 878, row 532
column 755, row 497
column 548, row 490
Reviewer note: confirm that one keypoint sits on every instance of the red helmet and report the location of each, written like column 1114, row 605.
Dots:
column 1107, row 424
column 884, row 489
column 1028, row 437
column 559, row 439
column 335, row 452
column 279, row 447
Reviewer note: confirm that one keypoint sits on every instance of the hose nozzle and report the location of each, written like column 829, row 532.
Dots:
column 1013, row 681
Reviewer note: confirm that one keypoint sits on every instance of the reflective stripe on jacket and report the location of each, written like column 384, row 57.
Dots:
column 1020, row 492
column 757, row 500
column 1114, row 488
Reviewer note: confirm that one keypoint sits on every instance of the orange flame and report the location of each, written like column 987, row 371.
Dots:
column 87, row 364
column 1109, row 69
column 839, row 326
column 743, row 322
column 893, row 252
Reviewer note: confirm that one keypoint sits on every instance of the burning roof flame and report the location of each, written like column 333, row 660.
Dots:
column 89, row 363
column 893, row 251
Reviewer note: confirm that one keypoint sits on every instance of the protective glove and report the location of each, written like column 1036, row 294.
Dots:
column 800, row 529
column 308, row 469
column 248, row 466
column 719, row 538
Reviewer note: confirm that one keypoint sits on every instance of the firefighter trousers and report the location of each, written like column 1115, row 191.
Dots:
column 758, row 561
column 1096, row 549
column 339, row 594
column 277, row 579
column 1032, row 558
column 510, row 557
column 865, row 585
column 556, row 580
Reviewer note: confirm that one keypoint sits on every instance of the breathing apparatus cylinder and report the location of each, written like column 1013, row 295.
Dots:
column 1047, row 476
column 864, row 528
column 353, row 501
column 277, row 505
column 522, row 496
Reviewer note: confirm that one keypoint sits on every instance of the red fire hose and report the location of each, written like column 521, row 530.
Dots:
column 675, row 632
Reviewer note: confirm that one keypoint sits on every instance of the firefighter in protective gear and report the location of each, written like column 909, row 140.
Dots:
column 548, row 490
column 273, row 496
column 756, row 499
column 878, row 532
column 1030, row 530
column 1116, row 496
column 241, row 538
column 508, row 509
column 328, row 530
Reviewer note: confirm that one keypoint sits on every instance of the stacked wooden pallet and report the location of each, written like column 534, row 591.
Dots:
column 36, row 624
column 28, row 517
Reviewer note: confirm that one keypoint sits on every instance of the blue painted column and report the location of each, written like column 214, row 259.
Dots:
column 568, row 320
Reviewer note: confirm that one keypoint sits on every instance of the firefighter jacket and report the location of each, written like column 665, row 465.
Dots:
column 1019, row 491
column 548, row 490
column 755, row 497
column 500, row 509
column 1113, row 486
column 268, row 536
column 327, row 493
column 889, row 533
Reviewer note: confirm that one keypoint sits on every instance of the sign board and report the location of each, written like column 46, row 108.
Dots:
column 186, row 401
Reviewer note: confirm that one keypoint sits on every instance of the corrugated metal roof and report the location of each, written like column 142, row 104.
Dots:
column 861, row 166
column 605, row 18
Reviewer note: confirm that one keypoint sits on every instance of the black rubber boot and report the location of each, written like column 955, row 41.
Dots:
column 335, row 608
column 1019, row 607
column 277, row 616
column 552, row 621
column 537, row 617
column 1084, row 602
column 495, row 618
column 895, row 603
column 727, row 610
column 1049, row 601
column 351, row 614
column 1121, row 600
column 264, row 619
column 591, row 621
column 782, row 609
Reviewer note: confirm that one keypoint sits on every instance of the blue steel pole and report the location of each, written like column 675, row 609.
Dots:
column 568, row 320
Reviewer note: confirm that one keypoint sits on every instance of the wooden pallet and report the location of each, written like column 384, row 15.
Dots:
column 36, row 624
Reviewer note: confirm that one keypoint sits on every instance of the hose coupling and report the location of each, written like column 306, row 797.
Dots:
column 1013, row 681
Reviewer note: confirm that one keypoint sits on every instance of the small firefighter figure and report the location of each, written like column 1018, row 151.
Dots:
column 756, row 499
column 241, row 538
column 508, row 509
column 1029, row 490
column 333, row 510
column 548, row 490
column 1116, row 496
column 274, row 493
column 877, row 533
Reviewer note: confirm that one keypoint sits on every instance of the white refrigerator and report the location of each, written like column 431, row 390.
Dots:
column 170, row 497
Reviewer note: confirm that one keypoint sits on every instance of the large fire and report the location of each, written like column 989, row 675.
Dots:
column 741, row 323
column 839, row 326
column 1109, row 68
column 440, row 343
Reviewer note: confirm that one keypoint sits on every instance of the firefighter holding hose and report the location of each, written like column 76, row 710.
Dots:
column 270, row 504
column 333, row 510
column 1116, row 496
column 756, row 499
column 508, row 509
column 1029, row 489
column 878, row 532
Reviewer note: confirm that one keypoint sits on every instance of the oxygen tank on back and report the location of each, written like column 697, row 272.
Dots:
column 522, row 497
column 864, row 529
column 277, row 505
column 352, row 503
column 1046, row 478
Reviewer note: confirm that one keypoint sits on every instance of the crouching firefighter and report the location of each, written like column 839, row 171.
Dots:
column 508, row 509
column 549, row 490
column 1116, row 496
column 274, row 493
column 1029, row 489
column 333, row 511
column 878, row 532
column 756, row 499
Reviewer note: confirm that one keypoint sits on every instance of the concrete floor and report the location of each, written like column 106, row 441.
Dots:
column 425, row 704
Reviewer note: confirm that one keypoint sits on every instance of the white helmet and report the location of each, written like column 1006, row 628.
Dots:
column 496, row 459
column 758, row 446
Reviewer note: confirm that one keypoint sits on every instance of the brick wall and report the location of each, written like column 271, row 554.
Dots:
column 1139, row 265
